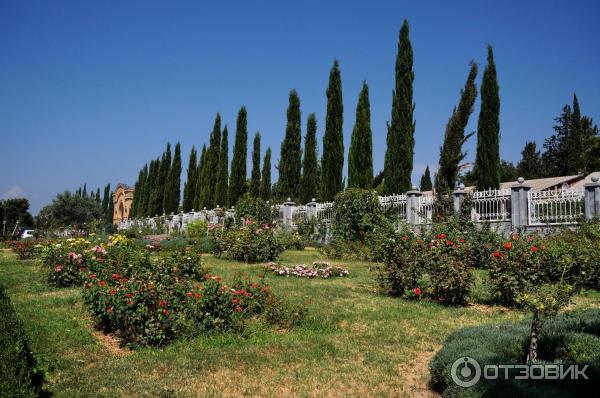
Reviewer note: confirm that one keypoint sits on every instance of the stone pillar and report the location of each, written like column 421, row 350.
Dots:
column 592, row 199
column 459, row 197
column 519, row 204
column 311, row 209
column 412, row 205
column 288, row 210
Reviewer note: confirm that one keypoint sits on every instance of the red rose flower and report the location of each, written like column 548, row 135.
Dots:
column 496, row 254
column 417, row 291
column 197, row 296
column 162, row 303
column 508, row 245
column 450, row 243
column 165, row 312
column 189, row 294
column 441, row 236
column 102, row 283
column 238, row 309
column 235, row 301
column 109, row 310
column 534, row 249
column 113, row 292
column 461, row 240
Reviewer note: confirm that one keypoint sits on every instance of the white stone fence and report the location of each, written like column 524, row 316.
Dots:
column 512, row 208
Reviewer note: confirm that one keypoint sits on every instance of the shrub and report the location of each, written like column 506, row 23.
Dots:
column 254, row 209
column 19, row 373
column 25, row 248
column 290, row 240
column 197, row 229
column 356, row 214
column 569, row 338
column 319, row 269
column 251, row 243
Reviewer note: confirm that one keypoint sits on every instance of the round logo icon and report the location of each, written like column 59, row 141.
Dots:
column 465, row 372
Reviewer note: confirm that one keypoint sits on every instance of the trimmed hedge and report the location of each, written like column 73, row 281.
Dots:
column 569, row 338
column 19, row 375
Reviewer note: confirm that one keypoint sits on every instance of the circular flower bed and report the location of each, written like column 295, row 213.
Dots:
column 319, row 269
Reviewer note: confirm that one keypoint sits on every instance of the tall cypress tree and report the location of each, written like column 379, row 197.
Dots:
column 487, row 161
column 198, row 201
column 84, row 192
column 189, row 188
column 139, row 194
column 209, row 178
column 237, row 179
column 291, row 151
column 255, row 176
column 426, row 184
column 97, row 196
column 451, row 153
column 158, row 194
column 576, row 141
column 153, row 178
column 309, row 182
column 265, row 183
column 111, row 210
column 173, row 185
column 106, row 198
column 223, row 172
column 137, row 191
column 332, row 162
column 360, row 156
column 400, row 136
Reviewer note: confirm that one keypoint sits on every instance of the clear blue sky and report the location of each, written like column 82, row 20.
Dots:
column 90, row 91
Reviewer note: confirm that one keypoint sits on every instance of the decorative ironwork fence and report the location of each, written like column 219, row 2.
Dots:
column 425, row 209
column 491, row 205
column 394, row 205
column 325, row 212
column 555, row 207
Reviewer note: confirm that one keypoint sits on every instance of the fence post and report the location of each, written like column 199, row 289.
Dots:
column 519, row 203
column 311, row 209
column 412, row 205
column 459, row 196
column 592, row 199
column 288, row 210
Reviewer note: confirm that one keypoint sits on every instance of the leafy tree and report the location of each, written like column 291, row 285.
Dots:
column 530, row 166
column 172, row 187
column 255, row 176
column 564, row 152
column 426, row 184
column 487, row 161
column 189, row 188
column 237, row 179
column 451, row 153
column 68, row 210
column 592, row 153
column 360, row 157
column 200, row 174
column 291, row 152
column 400, row 136
column 332, row 162
column 265, row 183
column 15, row 211
column 309, row 185
column 508, row 171
column 223, row 171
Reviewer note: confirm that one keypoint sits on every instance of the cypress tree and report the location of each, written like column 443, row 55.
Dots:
column 451, row 153
column 198, row 201
column 173, row 184
column 189, row 188
column 97, row 197
column 309, row 182
column 265, row 183
column 135, row 203
column 360, row 156
column 426, row 184
column 153, row 177
column 333, row 139
column 84, row 193
column 290, row 162
column 160, row 186
column 223, row 172
column 106, row 199
column 487, row 161
column 139, row 193
column 255, row 176
column 400, row 136
column 237, row 179
column 530, row 166
column 111, row 210
column 207, row 192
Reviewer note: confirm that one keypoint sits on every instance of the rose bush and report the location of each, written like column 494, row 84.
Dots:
column 252, row 242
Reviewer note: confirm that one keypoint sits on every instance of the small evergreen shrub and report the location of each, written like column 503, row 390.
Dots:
column 254, row 209
column 356, row 214
column 250, row 243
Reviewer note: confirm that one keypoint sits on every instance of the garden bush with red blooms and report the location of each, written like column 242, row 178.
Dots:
column 251, row 242
column 25, row 248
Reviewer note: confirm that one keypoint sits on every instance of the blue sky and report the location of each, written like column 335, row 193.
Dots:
column 90, row 91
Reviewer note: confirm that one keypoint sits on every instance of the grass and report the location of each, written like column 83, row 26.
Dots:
column 354, row 342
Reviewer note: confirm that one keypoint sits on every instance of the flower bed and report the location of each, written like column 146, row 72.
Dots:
column 319, row 269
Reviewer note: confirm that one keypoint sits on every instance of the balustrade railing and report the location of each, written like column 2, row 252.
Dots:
column 556, row 207
column 491, row 205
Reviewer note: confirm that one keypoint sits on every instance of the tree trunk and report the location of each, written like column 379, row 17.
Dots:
column 536, row 327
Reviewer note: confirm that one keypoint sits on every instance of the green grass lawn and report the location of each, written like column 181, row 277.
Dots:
column 354, row 342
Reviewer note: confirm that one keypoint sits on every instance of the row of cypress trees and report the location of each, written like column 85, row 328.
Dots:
column 106, row 203
column 302, row 176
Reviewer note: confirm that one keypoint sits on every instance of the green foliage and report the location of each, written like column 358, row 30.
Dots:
column 15, row 211
column 255, row 177
column 356, row 214
column 20, row 376
column 332, row 162
column 265, row 183
column 189, row 189
column 25, row 248
column 309, row 182
column 250, row 243
column 400, row 135
column 197, row 229
column 172, row 194
column 237, row 179
column 68, row 210
column 200, row 175
column 107, row 198
column 209, row 170
column 291, row 152
column 487, row 161
column 569, row 338
column 290, row 240
column 426, row 184
column 360, row 156
column 451, row 153
column 254, row 209
column 223, row 172
column 530, row 166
